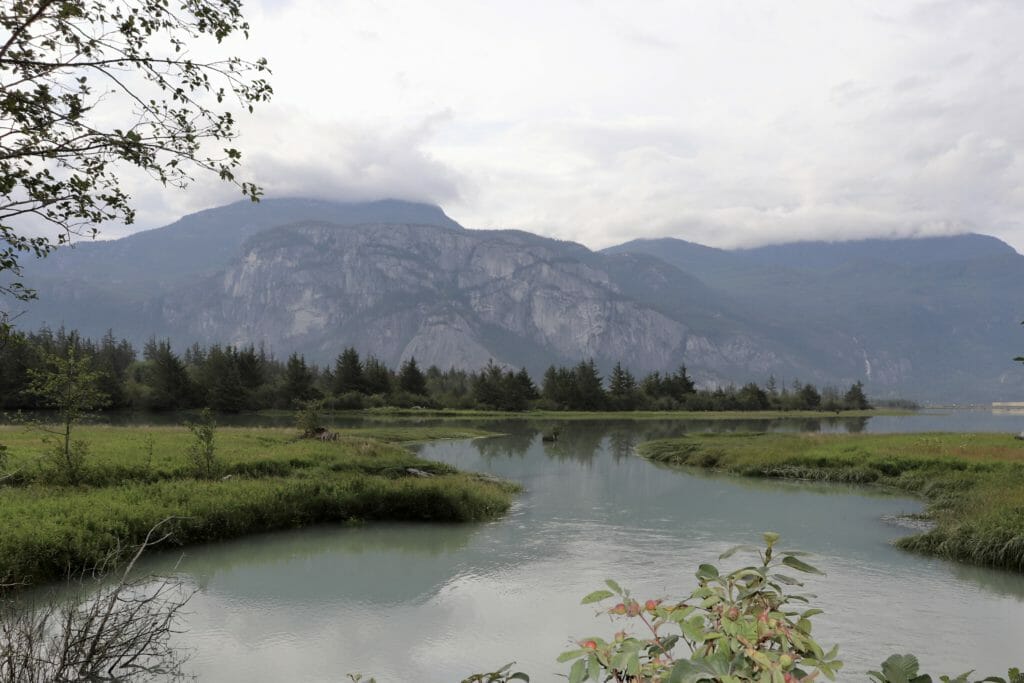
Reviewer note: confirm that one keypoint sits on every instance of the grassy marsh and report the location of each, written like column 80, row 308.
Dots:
column 270, row 480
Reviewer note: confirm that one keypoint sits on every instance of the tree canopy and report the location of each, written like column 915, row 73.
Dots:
column 89, row 89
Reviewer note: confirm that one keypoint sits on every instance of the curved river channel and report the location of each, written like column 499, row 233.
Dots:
column 419, row 602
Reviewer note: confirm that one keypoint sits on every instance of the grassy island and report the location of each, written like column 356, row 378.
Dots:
column 973, row 483
column 268, row 479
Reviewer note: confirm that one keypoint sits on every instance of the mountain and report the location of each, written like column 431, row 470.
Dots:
column 932, row 319
column 118, row 284
column 446, row 297
column 205, row 242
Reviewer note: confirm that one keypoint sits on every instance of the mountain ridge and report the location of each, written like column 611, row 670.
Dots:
column 933, row 318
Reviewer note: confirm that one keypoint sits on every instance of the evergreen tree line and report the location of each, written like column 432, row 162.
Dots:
column 238, row 378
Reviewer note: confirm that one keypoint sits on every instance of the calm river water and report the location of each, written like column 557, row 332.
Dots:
column 436, row 602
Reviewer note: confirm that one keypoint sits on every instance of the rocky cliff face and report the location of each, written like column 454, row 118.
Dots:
column 447, row 297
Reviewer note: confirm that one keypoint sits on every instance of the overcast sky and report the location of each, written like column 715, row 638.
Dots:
column 726, row 123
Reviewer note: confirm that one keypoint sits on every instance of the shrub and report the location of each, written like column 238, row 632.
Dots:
column 309, row 418
column 738, row 626
column 202, row 456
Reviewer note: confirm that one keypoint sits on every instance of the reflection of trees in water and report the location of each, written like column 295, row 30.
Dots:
column 855, row 425
column 580, row 440
column 507, row 445
column 621, row 443
column 577, row 440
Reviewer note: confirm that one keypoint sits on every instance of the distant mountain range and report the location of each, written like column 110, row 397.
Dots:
column 936, row 319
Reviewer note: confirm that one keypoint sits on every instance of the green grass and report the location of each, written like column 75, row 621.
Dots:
column 138, row 476
column 973, row 483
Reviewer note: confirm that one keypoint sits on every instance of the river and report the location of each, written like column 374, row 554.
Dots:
column 423, row 602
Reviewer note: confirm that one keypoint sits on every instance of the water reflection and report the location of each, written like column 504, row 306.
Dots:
column 335, row 564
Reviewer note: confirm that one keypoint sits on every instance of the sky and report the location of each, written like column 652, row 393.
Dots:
column 726, row 123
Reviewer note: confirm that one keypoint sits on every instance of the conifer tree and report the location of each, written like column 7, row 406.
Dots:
column 854, row 399
column 348, row 373
column 169, row 385
column 622, row 388
column 377, row 376
column 298, row 381
column 588, row 393
column 411, row 379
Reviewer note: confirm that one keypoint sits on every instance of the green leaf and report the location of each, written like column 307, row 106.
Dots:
column 748, row 572
column 571, row 654
column 596, row 596
column 800, row 565
column 788, row 580
column 735, row 549
column 578, row 672
column 962, row 678
column 684, row 671
column 633, row 664
column 900, row 669
column 707, row 571
column 711, row 601
column 614, row 586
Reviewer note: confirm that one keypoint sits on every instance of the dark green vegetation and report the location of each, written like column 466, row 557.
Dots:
column 268, row 479
column 231, row 379
column 974, row 483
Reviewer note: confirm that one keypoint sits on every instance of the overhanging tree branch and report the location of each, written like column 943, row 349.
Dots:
column 66, row 67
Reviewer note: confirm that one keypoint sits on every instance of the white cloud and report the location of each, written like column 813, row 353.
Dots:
column 598, row 121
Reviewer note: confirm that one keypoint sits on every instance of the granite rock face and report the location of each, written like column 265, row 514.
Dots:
column 448, row 297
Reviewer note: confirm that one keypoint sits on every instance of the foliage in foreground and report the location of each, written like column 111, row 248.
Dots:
column 954, row 472
column 737, row 626
column 91, row 89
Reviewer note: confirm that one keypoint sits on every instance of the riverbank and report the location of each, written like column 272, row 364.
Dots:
column 973, row 483
column 452, row 413
column 267, row 479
